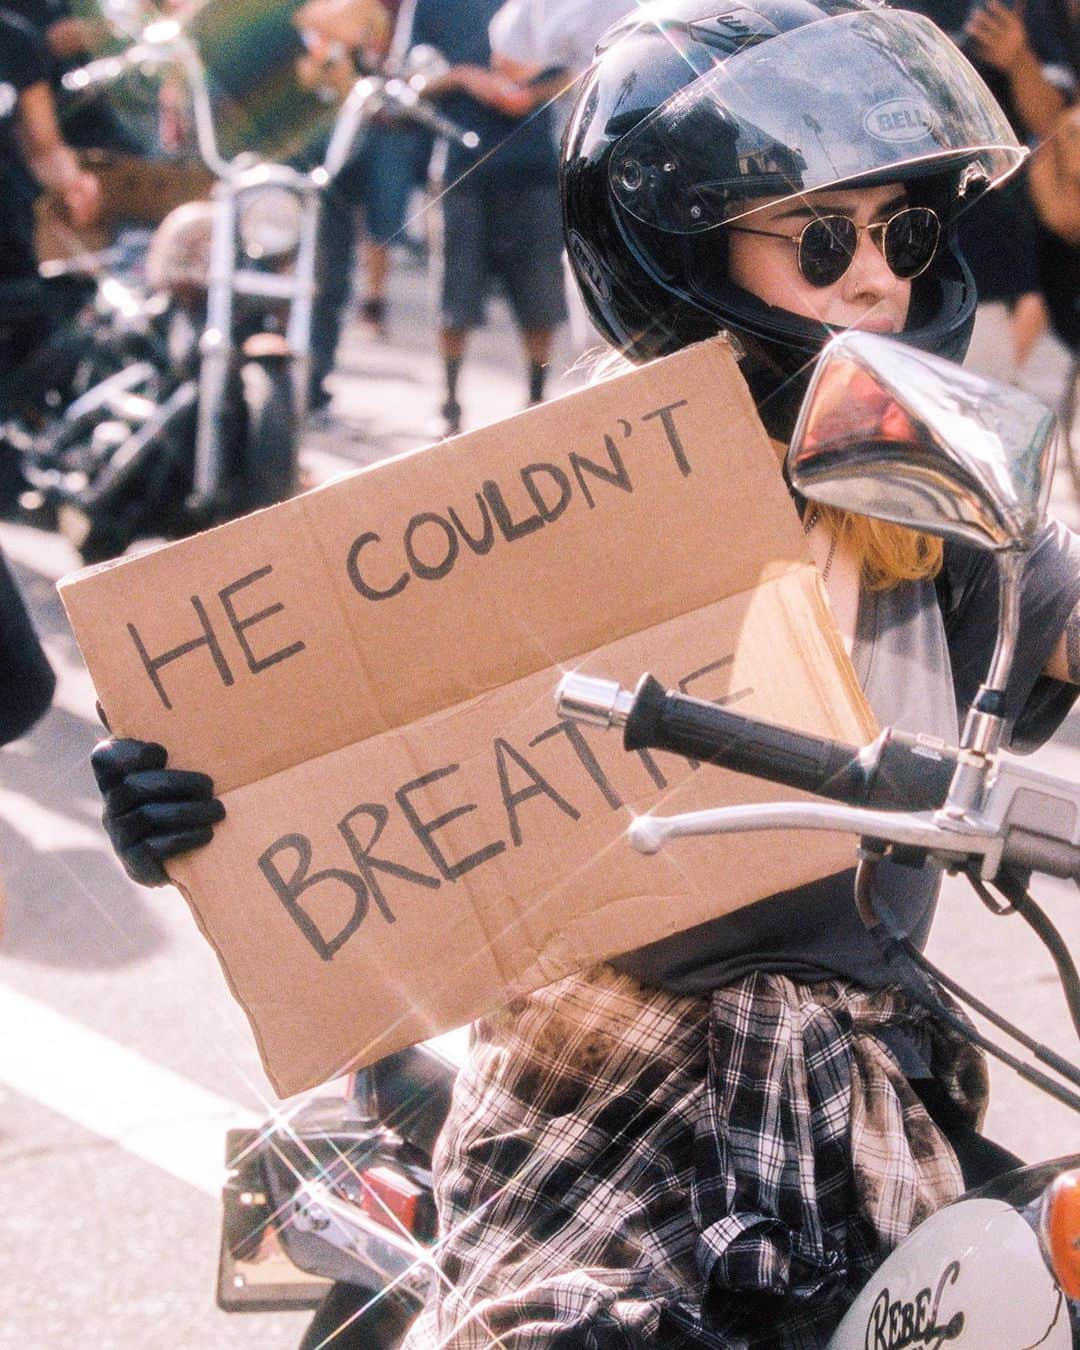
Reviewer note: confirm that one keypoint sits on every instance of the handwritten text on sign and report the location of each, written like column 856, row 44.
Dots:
column 429, row 547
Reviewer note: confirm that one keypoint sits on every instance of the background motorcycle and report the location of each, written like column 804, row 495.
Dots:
column 213, row 430
column 80, row 320
column 341, row 1191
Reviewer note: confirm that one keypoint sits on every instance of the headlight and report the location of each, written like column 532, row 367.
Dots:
column 269, row 223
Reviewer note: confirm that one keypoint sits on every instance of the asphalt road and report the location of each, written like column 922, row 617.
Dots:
column 123, row 1058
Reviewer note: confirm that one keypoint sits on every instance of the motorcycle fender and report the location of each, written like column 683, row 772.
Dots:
column 971, row 1275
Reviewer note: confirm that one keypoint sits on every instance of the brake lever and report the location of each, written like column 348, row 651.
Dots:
column 955, row 844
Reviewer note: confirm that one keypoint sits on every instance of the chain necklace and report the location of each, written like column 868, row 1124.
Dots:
column 811, row 520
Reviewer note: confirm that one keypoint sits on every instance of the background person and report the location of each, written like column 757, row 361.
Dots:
column 497, row 210
column 370, row 197
column 30, row 142
column 1041, row 96
column 1020, row 54
column 27, row 681
column 88, row 120
column 549, row 43
column 1055, row 180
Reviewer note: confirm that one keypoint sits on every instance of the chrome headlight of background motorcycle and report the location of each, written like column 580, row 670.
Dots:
column 269, row 223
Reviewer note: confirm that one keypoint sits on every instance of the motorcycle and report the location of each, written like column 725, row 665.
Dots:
column 174, row 446
column 341, row 1191
column 77, row 321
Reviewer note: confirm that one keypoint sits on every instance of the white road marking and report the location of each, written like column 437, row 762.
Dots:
column 40, row 826
column 116, row 1093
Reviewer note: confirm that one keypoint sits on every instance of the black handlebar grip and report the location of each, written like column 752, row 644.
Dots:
column 898, row 770
column 686, row 726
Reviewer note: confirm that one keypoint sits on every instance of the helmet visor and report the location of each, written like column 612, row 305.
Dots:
column 879, row 94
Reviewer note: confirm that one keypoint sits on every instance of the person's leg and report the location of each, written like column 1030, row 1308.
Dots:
column 350, row 1318
column 1029, row 321
column 388, row 183
column 526, row 243
column 538, row 344
column 981, row 1160
column 452, row 343
column 376, row 275
column 333, row 282
column 462, row 284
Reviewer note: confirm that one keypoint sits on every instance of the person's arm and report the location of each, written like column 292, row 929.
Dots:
column 1054, row 178
column 358, row 25
column 69, row 38
column 51, row 160
column 498, row 90
column 1000, row 39
column 1064, row 663
column 1040, row 691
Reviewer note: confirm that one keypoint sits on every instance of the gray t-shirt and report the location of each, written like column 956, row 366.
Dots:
column 920, row 651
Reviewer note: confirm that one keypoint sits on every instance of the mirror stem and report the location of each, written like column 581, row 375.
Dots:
column 364, row 1099
column 985, row 720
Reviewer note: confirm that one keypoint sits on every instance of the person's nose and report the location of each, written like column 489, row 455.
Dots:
column 869, row 276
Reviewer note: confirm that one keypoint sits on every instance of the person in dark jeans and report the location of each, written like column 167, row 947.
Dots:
column 373, row 190
column 27, row 682
column 369, row 198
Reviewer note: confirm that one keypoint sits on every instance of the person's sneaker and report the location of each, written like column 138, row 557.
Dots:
column 319, row 397
column 450, row 412
column 373, row 318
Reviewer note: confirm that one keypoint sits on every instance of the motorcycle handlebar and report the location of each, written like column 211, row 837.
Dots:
column 103, row 71
column 897, row 770
column 902, row 778
column 409, row 102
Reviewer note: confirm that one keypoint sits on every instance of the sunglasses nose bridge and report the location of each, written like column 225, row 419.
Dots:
column 867, row 266
column 876, row 230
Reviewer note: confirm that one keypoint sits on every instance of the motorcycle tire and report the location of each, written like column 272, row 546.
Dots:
column 268, row 472
column 336, row 1322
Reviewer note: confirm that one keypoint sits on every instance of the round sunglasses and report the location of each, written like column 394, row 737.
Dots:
column 907, row 241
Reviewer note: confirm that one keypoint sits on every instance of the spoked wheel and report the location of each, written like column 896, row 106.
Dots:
column 1069, row 416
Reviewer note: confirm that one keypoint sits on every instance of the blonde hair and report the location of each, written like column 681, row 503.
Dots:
column 888, row 554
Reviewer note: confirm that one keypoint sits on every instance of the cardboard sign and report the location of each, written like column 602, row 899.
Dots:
column 368, row 670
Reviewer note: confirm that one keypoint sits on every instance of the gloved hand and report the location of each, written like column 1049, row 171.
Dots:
column 151, row 812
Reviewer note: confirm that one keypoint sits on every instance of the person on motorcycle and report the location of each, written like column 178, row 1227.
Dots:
column 714, row 1140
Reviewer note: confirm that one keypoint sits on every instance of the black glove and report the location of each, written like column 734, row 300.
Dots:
column 151, row 812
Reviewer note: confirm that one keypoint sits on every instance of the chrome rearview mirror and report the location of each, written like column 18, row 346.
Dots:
column 889, row 431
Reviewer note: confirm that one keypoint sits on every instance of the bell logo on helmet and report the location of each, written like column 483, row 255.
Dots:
column 899, row 119
column 589, row 268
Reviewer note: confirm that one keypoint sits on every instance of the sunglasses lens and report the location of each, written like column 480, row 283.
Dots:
column 911, row 240
column 826, row 249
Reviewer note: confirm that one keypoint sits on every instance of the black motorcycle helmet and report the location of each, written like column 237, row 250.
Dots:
column 696, row 111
